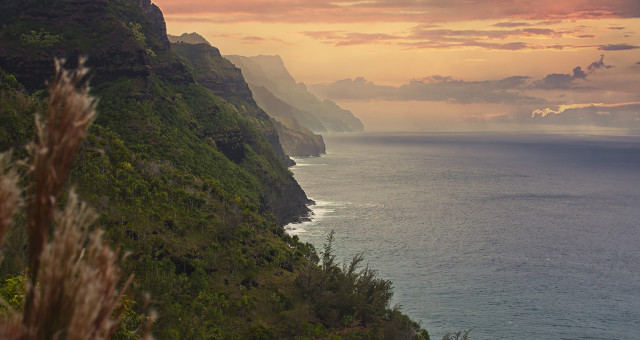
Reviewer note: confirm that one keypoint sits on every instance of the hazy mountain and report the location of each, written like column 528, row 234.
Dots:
column 270, row 72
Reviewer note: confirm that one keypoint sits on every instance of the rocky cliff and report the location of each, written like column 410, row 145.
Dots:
column 225, row 80
column 298, row 141
column 132, row 65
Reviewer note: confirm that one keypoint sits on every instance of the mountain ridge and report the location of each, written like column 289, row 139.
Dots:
column 270, row 73
column 219, row 75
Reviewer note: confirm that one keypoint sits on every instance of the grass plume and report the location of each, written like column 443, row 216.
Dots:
column 10, row 193
column 73, row 275
column 69, row 113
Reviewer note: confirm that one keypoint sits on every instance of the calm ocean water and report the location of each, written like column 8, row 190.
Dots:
column 517, row 237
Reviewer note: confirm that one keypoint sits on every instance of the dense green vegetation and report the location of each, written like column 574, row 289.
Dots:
column 187, row 182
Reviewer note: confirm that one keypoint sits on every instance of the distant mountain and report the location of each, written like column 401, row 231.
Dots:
column 225, row 80
column 273, row 85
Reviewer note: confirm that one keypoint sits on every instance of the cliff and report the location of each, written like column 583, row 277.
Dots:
column 187, row 179
column 298, row 141
column 179, row 175
column 269, row 73
column 225, row 80
column 128, row 47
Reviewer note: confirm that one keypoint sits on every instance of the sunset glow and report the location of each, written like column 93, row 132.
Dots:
column 495, row 61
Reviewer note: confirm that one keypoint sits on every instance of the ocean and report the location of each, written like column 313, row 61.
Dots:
column 513, row 236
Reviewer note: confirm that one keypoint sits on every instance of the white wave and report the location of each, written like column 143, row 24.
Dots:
column 319, row 211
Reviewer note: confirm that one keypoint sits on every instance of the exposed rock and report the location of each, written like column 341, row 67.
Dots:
column 299, row 141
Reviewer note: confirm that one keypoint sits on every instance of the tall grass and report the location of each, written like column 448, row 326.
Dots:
column 73, row 275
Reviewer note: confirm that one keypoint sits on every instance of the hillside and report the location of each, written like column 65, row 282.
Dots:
column 225, row 80
column 272, row 84
column 188, row 181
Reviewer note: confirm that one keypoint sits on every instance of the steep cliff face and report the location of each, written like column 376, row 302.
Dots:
column 298, row 141
column 225, row 80
column 214, row 72
column 186, row 181
column 117, row 43
column 269, row 72
column 132, row 66
column 282, row 110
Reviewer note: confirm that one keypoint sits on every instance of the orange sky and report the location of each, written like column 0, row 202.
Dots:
column 438, row 65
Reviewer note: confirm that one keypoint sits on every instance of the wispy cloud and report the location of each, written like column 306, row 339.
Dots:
column 401, row 11
column 562, row 108
column 559, row 81
column 434, row 88
column 511, row 90
column 618, row 47
column 511, row 24
column 428, row 37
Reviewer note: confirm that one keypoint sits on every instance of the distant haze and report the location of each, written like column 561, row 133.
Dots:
column 445, row 66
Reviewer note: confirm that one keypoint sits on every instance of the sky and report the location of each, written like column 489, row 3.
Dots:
column 444, row 65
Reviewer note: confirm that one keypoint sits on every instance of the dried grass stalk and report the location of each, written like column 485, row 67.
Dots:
column 9, row 194
column 69, row 113
column 11, row 327
column 73, row 289
column 77, row 292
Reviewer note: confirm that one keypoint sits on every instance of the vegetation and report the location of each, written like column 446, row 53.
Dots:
column 71, row 289
column 39, row 39
column 185, row 181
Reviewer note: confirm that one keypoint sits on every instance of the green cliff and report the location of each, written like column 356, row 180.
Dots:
column 220, row 76
column 187, row 178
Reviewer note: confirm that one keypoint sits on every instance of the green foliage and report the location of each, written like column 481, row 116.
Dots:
column 12, row 292
column 136, row 31
column 188, row 183
column 8, row 81
column 39, row 39
column 350, row 297
column 16, row 114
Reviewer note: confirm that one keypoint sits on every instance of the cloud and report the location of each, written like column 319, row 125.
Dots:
column 557, row 81
column 428, row 37
column 620, row 116
column 400, row 10
column 617, row 47
column 562, row 108
column 434, row 88
column 596, row 65
column 511, row 24
column 340, row 38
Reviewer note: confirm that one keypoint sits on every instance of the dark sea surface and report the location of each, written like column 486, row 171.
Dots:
column 516, row 237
